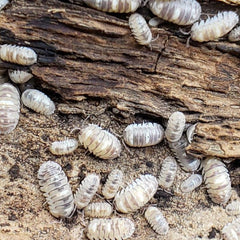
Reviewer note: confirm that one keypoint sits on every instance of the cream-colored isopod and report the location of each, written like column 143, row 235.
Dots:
column 233, row 208
column 63, row 147
column 19, row 76
column 191, row 183
column 98, row 209
column 232, row 230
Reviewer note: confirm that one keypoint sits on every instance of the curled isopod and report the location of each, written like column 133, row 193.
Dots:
column 234, row 35
column 181, row 12
column 98, row 209
column 57, row 190
column 86, row 190
column 191, row 183
column 63, row 147
column 9, row 108
column 155, row 21
column 100, row 142
column 190, row 132
column 156, row 220
column 143, row 135
column 110, row 229
column 38, row 101
column 112, row 184
column 167, row 173
column 215, row 27
column 3, row 3
column 19, row 76
column 217, row 180
column 117, row 6
column 136, row 194
column 232, row 230
column 18, row 55
column 233, row 208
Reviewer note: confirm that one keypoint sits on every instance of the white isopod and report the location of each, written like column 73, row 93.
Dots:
column 98, row 209
column 136, row 194
column 232, row 230
column 18, row 55
column 86, row 190
column 57, row 190
column 19, row 76
column 233, row 208
column 234, row 35
column 181, row 12
column 157, row 221
column 63, row 147
column 3, row 3
column 110, row 229
column 215, row 27
column 155, row 21
column 100, row 142
column 9, row 108
column 191, row 132
column 191, row 183
column 217, row 180
column 38, row 101
column 112, row 184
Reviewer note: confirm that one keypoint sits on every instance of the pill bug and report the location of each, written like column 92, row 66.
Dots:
column 100, row 142
column 155, row 21
column 233, row 208
column 9, row 108
column 217, row 180
column 112, row 184
column 54, row 183
column 98, row 209
column 190, row 132
column 63, row 147
column 156, row 220
column 215, row 27
column 38, row 101
column 3, row 3
column 231, row 231
column 167, row 173
column 19, row 76
column 110, row 229
column 86, row 190
column 17, row 54
column 136, row 194
column 117, row 6
column 191, row 183
column 181, row 12
column 234, row 35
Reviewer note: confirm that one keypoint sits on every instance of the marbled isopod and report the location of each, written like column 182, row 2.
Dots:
column 110, row 229
column 136, row 194
column 181, row 12
column 9, row 108
column 233, row 208
column 232, row 230
column 100, row 142
column 19, row 76
column 38, row 101
column 63, row 147
column 112, row 184
column 215, row 27
column 98, row 209
column 189, row 184
column 234, row 35
column 167, row 173
column 156, row 220
column 57, row 190
column 86, row 190
column 117, row 6
column 3, row 3
column 217, row 180
column 19, row 55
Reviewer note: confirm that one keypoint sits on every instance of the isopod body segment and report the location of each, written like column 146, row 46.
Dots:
column 189, row 184
column 233, row 208
column 63, row 147
column 98, row 209
column 19, row 76
column 232, row 230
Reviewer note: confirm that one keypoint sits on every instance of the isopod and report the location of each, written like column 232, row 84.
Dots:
column 215, row 27
column 117, row 6
column 112, row 184
column 54, row 183
column 9, row 108
column 217, row 180
column 167, row 173
column 63, row 147
column 110, row 229
column 190, row 132
column 3, row 3
column 136, row 194
column 181, row 12
column 234, row 35
column 18, row 55
column 38, row 101
column 98, row 209
column 191, row 183
column 100, row 142
column 233, row 208
column 86, row 190
column 155, row 21
column 156, row 220
column 232, row 230
column 19, row 76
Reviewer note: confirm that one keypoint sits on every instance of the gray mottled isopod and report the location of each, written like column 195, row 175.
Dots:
column 234, row 35
column 189, row 184
column 63, row 147
column 3, row 3
column 190, row 132
column 232, row 230
column 98, row 209
column 19, row 76
column 233, row 208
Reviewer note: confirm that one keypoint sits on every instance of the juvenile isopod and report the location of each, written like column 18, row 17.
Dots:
column 38, row 101
column 3, row 3
column 181, row 12
column 215, row 27
column 98, row 209
column 9, row 108
column 86, row 190
column 156, row 220
column 189, row 184
column 234, row 35
column 232, row 230
column 54, row 183
column 190, row 132
column 136, row 194
column 19, row 76
column 217, row 180
column 63, row 147
column 100, row 142
column 17, row 54
column 110, row 229
column 155, row 21
column 112, row 184
column 233, row 208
